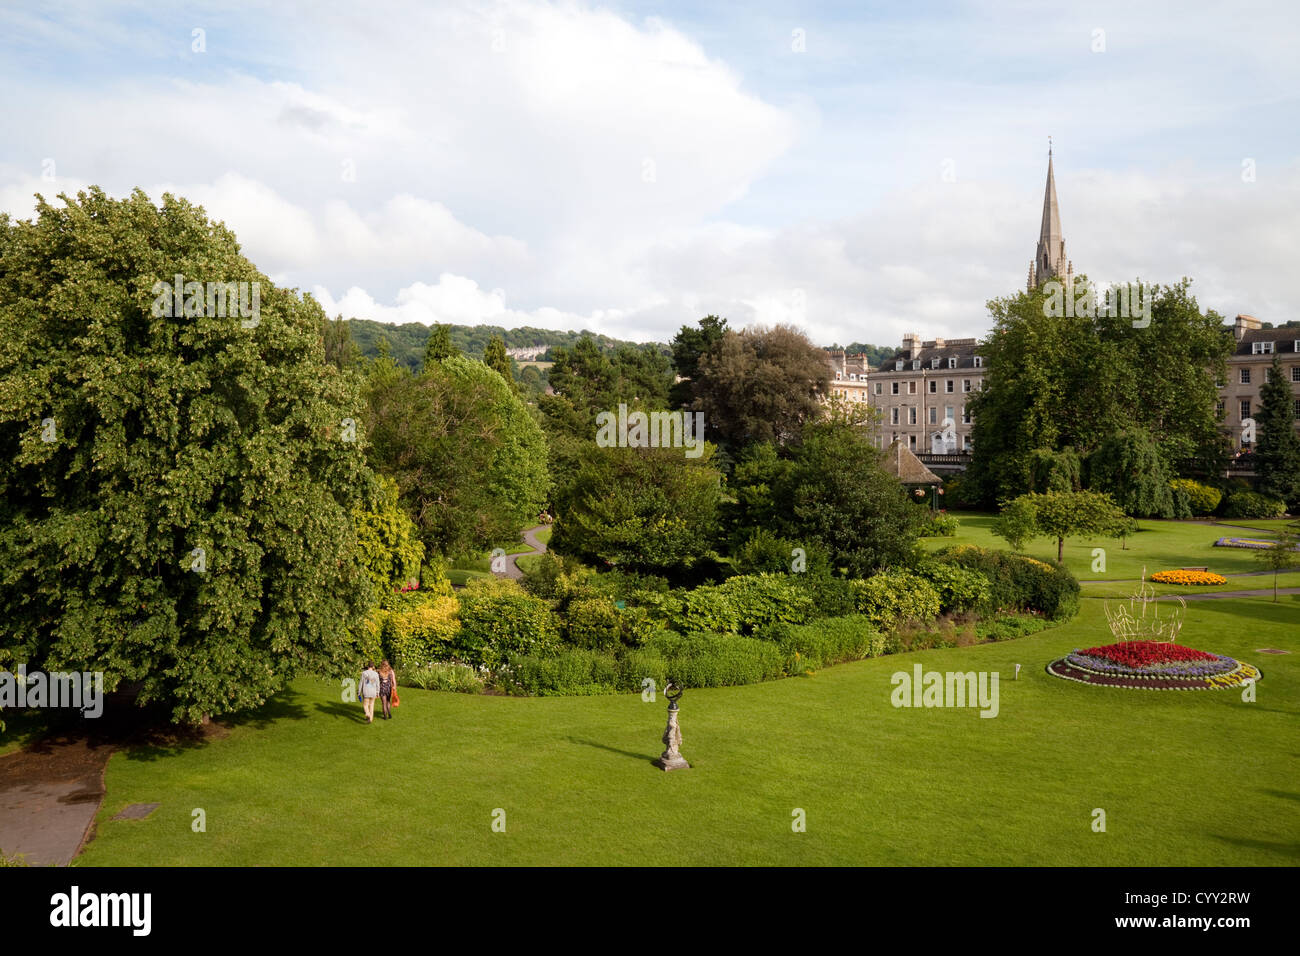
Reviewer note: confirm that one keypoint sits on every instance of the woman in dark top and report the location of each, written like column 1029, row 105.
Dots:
column 387, row 685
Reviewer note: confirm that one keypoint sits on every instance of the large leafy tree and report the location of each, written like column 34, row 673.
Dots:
column 761, row 385
column 829, row 492
column 469, row 460
column 177, row 480
column 1127, row 466
column 1057, row 381
column 1277, row 455
column 641, row 509
column 439, row 346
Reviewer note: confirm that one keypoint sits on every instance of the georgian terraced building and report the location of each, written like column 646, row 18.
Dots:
column 923, row 390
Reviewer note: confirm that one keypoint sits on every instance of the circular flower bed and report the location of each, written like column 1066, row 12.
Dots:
column 1188, row 577
column 1149, row 665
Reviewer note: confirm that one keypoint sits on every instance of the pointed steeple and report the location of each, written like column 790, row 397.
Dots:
column 1049, row 258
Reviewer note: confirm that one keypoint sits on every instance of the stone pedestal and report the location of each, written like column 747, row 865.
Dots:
column 671, row 759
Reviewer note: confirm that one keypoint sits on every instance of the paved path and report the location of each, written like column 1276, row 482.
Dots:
column 530, row 539
column 49, row 795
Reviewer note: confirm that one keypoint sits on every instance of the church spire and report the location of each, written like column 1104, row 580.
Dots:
column 1049, row 258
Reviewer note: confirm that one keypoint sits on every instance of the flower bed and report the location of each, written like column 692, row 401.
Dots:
column 1149, row 665
column 1186, row 577
column 1243, row 543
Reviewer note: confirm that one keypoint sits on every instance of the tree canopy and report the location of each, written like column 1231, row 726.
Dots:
column 1056, row 381
column 178, row 476
column 469, row 461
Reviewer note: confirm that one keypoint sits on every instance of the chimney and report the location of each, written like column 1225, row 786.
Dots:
column 938, row 342
column 1244, row 324
column 912, row 344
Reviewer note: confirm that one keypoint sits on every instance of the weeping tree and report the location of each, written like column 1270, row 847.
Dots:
column 179, row 465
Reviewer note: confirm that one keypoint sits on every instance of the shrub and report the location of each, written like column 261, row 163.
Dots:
column 460, row 678
column 1006, row 627
column 499, row 619
column 1018, row 582
column 717, row 660
column 1250, row 504
column 637, row 664
column 824, row 642
column 764, row 552
column 704, row 609
column 762, row 599
column 940, row 526
column 595, row 621
column 572, row 672
column 421, row 630
column 960, row 589
column 891, row 598
column 831, row 597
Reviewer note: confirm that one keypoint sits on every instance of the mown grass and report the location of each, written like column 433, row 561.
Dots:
column 1185, row 778
column 1158, row 546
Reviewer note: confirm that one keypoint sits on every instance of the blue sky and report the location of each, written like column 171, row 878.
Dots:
column 628, row 167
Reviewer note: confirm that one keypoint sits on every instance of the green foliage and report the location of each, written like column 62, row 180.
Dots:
column 469, row 460
column 499, row 619
column 830, row 493
column 960, row 589
column 1277, row 455
column 1060, row 514
column 1055, row 381
column 1127, row 465
column 830, row 596
column 1010, row 626
column 1201, row 499
column 387, row 541
column 642, row 509
column 1250, row 504
column 456, row 678
column 893, row 598
column 1018, row 582
column 764, row 552
column 1283, row 553
column 1051, row 470
column 718, row 660
column 420, row 629
column 495, row 358
column 1015, row 523
column 760, row 385
column 571, row 672
column 830, row 640
column 212, row 430
column 439, row 347
column 742, row 604
column 588, row 380
column 597, row 622
column 940, row 526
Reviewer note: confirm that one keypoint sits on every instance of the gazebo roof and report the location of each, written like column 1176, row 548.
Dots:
column 907, row 468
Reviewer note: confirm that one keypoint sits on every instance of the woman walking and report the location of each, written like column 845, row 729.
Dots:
column 387, row 688
column 369, row 690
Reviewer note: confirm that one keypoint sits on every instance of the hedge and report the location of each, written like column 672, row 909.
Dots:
column 1019, row 582
column 891, row 598
column 498, row 619
column 1250, row 504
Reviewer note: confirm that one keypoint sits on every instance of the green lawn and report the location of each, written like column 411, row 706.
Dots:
column 1185, row 778
column 1159, row 546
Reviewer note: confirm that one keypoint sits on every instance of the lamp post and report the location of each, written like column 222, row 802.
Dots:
column 671, row 758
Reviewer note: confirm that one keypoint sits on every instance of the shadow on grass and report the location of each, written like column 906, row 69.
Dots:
column 1286, row 849
column 614, row 750
column 352, row 712
column 157, row 742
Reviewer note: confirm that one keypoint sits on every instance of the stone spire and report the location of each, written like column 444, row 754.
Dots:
column 1049, row 260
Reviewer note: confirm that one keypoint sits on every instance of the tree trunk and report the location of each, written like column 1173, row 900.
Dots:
column 1060, row 550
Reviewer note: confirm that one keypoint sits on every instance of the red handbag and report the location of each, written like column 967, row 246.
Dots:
column 396, row 701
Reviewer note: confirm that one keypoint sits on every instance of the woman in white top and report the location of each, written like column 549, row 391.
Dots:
column 369, row 691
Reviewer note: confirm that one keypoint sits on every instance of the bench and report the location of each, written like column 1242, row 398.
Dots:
column 1193, row 569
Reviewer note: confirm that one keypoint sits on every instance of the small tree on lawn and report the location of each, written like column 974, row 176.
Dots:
column 1282, row 554
column 1061, row 515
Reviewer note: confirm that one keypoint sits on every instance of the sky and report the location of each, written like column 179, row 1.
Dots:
column 857, row 170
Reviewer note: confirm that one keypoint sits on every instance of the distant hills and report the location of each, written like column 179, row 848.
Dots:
column 406, row 342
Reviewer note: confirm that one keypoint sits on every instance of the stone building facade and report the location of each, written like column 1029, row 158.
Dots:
column 1248, row 369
